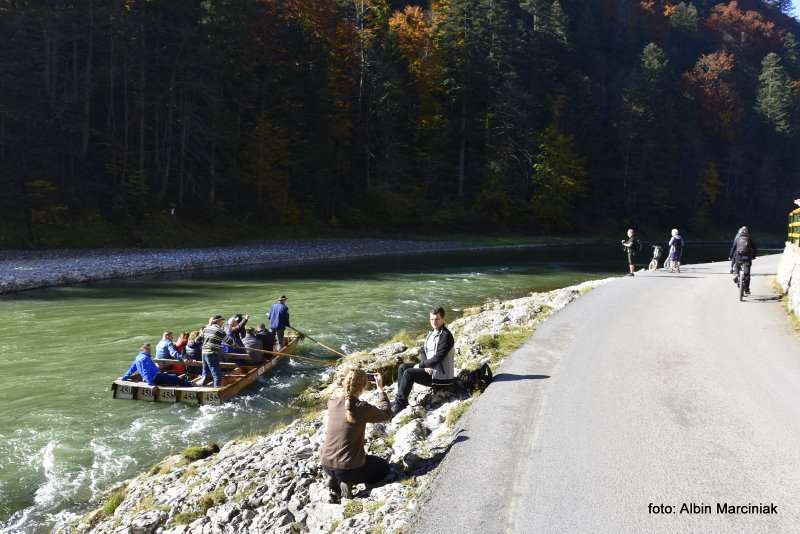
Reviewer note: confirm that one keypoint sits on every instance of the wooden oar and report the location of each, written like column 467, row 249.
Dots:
column 323, row 345
column 239, row 355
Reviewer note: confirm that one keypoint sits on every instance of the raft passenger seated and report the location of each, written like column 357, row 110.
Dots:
column 250, row 342
column 149, row 371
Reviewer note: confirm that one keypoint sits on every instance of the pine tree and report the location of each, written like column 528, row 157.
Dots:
column 559, row 179
column 774, row 98
column 684, row 17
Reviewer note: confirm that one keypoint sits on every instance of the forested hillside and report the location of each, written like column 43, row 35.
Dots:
column 483, row 115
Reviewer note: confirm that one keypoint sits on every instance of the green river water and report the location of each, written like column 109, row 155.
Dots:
column 63, row 440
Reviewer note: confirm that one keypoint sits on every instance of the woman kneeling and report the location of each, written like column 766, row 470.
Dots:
column 342, row 455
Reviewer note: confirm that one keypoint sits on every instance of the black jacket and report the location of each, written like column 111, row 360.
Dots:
column 754, row 249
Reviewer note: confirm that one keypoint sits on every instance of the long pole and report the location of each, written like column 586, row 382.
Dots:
column 243, row 356
column 318, row 342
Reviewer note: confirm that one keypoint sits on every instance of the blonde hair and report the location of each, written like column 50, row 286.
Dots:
column 354, row 383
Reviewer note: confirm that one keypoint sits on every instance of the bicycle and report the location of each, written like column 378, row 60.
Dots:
column 656, row 256
column 742, row 279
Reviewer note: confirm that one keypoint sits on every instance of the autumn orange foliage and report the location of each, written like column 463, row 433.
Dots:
column 711, row 82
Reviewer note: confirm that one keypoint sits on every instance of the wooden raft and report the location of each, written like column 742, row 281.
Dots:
column 235, row 378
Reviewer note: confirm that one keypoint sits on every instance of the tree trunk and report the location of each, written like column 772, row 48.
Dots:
column 142, row 90
column 87, row 100
column 462, row 153
column 184, row 136
column 125, row 115
column 162, row 193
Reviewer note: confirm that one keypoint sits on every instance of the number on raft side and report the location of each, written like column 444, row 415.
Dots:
column 166, row 395
column 211, row 398
column 146, row 394
column 189, row 397
column 123, row 392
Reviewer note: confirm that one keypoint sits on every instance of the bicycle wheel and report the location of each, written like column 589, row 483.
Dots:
column 653, row 265
column 741, row 291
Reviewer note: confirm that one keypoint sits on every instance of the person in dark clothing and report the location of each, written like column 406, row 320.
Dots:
column 743, row 252
column 194, row 347
column 149, row 371
column 278, row 318
column 250, row 341
column 437, row 365
column 632, row 246
column 266, row 336
column 342, row 455
column 733, row 244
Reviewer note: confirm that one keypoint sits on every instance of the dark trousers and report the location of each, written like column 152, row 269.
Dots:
column 743, row 271
column 168, row 379
column 374, row 470
column 279, row 335
column 407, row 376
column 211, row 367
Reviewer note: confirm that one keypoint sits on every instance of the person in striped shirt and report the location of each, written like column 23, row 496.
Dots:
column 213, row 335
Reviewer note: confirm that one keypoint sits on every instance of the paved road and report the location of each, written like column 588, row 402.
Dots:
column 661, row 388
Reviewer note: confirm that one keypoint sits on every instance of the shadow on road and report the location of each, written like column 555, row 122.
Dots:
column 675, row 276
column 510, row 377
column 763, row 298
column 437, row 455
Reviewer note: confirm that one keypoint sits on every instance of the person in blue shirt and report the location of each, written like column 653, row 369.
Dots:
column 166, row 348
column 149, row 371
column 278, row 318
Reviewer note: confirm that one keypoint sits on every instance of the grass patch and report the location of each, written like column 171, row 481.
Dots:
column 408, row 418
column 212, row 499
column 114, row 500
column 335, row 524
column 377, row 529
column 353, row 507
column 456, row 412
column 374, row 505
column 194, row 453
column 184, row 518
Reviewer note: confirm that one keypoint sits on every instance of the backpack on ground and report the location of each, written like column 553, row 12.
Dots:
column 479, row 379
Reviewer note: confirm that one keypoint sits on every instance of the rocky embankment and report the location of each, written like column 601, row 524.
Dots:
column 274, row 483
column 23, row 270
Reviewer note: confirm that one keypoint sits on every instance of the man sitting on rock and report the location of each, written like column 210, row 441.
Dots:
column 438, row 362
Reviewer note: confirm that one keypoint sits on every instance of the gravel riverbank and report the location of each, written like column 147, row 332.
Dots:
column 23, row 270
column 274, row 483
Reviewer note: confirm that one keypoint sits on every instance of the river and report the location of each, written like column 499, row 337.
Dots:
column 63, row 440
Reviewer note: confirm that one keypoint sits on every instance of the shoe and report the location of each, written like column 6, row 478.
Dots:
column 398, row 406
column 746, row 292
column 344, row 490
column 334, row 490
column 735, row 279
column 630, row 274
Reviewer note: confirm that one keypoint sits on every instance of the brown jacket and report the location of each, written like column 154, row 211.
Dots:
column 344, row 442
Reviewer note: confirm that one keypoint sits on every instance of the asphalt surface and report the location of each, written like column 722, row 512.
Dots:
column 659, row 388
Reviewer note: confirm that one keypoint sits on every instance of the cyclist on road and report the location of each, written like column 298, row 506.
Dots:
column 743, row 252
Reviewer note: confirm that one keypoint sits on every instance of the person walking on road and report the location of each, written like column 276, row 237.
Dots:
column 743, row 252
column 632, row 246
column 675, row 251
column 278, row 318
